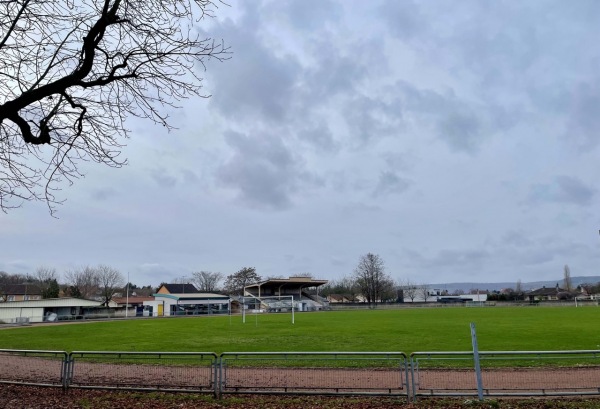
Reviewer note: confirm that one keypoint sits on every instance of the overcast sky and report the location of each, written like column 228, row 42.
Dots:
column 457, row 140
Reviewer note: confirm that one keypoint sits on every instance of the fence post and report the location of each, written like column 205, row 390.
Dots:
column 413, row 386
column 476, row 361
column 64, row 371
column 218, row 376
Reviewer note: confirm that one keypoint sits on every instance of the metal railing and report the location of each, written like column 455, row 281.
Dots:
column 326, row 373
column 166, row 371
column 33, row 367
column 506, row 373
column 501, row 373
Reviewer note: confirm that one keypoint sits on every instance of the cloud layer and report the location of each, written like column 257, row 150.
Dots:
column 456, row 140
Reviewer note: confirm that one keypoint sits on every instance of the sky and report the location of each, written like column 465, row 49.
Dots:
column 459, row 141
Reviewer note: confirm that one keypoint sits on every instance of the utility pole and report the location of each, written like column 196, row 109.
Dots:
column 127, row 298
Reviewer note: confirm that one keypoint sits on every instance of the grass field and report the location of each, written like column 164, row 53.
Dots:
column 406, row 330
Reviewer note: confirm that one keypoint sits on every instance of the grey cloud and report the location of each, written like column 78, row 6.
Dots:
column 583, row 124
column 447, row 260
column 103, row 193
column 390, row 183
column 457, row 258
column 263, row 171
column 17, row 267
column 463, row 125
column 309, row 15
column 461, row 130
column 190, row 177
column 338, row 261
column 352, row 209
column 163, row 178
column 371, row 119
column 336, row 73
column 297, row 265
column 157, row 273
column 256, row 81
column 516, row 239
column 404, row 18
column 499, row 44
column 565, row 189
column 319, row 136
column 398, row 161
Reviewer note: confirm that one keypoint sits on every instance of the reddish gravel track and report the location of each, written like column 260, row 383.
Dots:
column 48, row 370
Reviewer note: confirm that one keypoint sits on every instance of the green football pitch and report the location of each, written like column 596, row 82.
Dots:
column 406, row 330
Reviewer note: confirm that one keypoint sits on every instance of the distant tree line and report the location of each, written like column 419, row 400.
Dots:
column 368, row 283
column 101, row 283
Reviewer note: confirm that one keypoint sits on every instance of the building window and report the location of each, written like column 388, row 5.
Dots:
column 10, row 298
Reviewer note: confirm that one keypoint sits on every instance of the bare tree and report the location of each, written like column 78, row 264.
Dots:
column 235, row 283
column 110, row 280
column 182, row 280
column 388, row 290
column 345, row 287
column 206, row 281
column 8, row 279
column 47, row 279
column 519, row 293
column 72, row 72
column 423, row 291
column 567, row 283
column 409, row 289
column 83, row 282
column 44, row 274
column 371, row 278
column 519, row 286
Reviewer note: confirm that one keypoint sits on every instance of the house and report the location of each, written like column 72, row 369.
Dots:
column 132, row 306
column 442, row 296
column 177, row 289
column 550, row 294
column 184, row 299
column 20, row 292
column 51, row 309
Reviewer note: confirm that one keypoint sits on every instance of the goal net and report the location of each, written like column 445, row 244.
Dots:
column 268, row 305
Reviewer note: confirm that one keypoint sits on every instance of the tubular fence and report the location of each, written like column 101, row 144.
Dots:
column 349, row 373
column 502, row 373
column 176, row 371
column 506, row 373
column 33, row 367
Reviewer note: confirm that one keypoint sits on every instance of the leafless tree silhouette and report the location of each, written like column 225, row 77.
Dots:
column 72, row 72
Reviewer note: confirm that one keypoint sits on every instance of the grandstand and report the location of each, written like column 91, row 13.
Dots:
column 275, row 295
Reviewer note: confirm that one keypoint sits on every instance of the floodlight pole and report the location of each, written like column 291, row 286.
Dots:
column 127, row 298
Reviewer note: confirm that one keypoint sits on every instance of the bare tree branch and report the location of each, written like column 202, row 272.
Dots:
column 207, row 281
column 71, row 73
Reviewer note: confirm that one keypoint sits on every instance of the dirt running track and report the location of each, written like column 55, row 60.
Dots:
column 48, row 370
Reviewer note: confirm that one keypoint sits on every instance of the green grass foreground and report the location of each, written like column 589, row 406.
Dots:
column 406, row 330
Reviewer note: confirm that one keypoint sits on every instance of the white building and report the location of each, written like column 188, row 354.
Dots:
column 51, row 309
column 187, row 304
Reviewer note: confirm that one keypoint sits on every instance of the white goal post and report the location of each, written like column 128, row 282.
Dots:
column 269, row 304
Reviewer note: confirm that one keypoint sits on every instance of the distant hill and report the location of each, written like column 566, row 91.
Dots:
column 466, row 286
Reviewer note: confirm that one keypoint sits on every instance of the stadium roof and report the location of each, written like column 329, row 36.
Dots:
column 290, row 282
column 194, row 296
